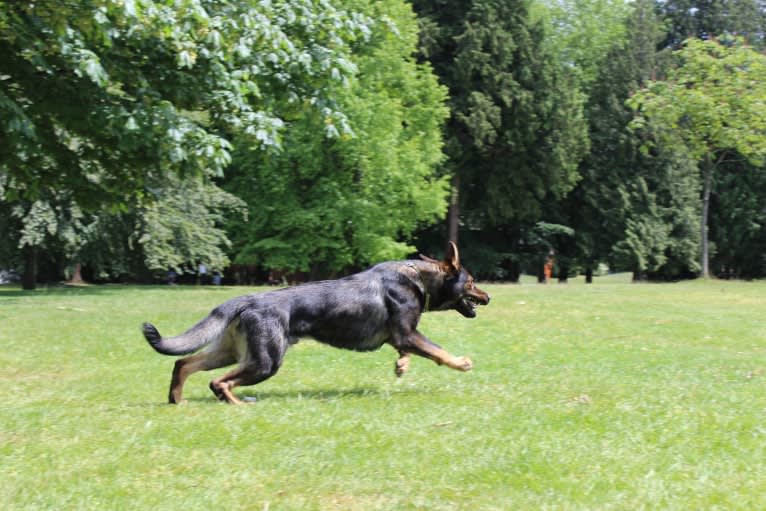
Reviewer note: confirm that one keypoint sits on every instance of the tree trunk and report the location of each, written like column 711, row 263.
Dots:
column 514, row 272
column 77, row 274
column 589, row 275
column 29, row 279
column 708, row 181
column 453, row 213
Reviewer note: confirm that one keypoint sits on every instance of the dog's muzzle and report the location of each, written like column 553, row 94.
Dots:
column 468, row 303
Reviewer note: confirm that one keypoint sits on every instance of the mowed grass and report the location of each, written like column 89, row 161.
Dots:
column 603, row 396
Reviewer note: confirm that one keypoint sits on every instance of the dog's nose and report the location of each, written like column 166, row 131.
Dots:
column 488, row 298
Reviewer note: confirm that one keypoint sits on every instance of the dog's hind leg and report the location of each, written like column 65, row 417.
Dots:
column 260, row 368
column 242, row 376
column 204, row 361
column 266, row 345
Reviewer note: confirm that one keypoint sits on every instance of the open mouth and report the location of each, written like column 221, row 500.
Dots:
column 468, row 305
column 472, row 302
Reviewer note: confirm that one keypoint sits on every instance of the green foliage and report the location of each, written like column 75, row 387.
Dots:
column 101, row 103
column 118, row 119
column 713, row 18
column 634, row 209
column 584, row 31
column 516, row 132
column 184, row 226
column 96, row 97
column 53, row 223
column 48, row 222
column 713, row 102
column 661, row 214
column 325, row 204
column 738, row 221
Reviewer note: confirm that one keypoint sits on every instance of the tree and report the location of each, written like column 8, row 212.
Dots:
column 326, row 204
column 96, row 96
column 583, row 32
column 100, row 99
column 181, row 226
column 738, row 221
column 705, row 19
column 714, row 103
column 659, row 211
column 625, row 208
column 516, row 130
column 185, row 226
column 53, row 222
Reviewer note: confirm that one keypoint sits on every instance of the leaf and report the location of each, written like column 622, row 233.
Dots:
column 131, row 124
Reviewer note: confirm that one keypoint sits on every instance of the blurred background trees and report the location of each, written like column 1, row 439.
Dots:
column 142, row 136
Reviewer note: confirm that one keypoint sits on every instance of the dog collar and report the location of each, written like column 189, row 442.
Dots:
column 424, row 289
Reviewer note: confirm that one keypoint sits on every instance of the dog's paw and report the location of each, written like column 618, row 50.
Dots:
column 463, row 363
column 402, row 365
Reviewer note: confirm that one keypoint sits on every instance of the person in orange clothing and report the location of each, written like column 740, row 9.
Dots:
column 548, row 268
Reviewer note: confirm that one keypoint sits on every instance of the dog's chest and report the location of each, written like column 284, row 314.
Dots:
column 359, row 325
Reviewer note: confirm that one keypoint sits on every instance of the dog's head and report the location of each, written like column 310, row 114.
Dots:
column 457, row 290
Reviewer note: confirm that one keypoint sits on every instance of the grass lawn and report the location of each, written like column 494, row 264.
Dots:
column 604, row 396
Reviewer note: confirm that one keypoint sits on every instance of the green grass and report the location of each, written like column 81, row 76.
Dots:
column 608, row 396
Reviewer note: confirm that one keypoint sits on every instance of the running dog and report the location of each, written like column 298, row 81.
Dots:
column 381, row 305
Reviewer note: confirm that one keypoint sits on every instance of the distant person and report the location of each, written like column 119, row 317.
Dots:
column 172, row 276
column 202, row 273
column 217, row 277
column 548, row 268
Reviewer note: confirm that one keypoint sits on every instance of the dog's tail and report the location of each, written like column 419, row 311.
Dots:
column 201, row 334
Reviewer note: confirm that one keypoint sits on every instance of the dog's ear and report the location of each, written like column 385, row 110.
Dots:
column 452, row 259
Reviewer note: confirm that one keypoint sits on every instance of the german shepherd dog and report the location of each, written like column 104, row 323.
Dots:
column 381, row 305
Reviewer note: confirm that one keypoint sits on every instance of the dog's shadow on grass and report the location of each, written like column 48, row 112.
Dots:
column 312, row 394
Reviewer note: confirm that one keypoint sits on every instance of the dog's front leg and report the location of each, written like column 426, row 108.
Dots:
column 402, row 363
column 419, row 344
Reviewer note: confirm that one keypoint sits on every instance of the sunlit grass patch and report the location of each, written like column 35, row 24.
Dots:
column 608, row 396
